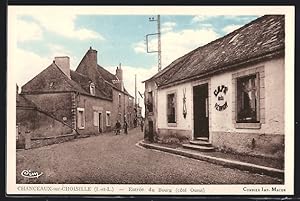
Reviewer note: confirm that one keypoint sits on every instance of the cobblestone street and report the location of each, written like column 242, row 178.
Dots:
column 111, row 159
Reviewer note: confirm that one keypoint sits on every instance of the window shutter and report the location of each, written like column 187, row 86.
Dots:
column 96, row 116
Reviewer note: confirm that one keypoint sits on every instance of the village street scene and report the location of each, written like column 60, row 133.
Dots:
column 166, row 100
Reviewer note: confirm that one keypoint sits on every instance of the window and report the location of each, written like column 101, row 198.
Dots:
column 107, row 118
column 247, row 99
column 150, row 102
column 92, row 89
column 80, row 118
column 171, row 108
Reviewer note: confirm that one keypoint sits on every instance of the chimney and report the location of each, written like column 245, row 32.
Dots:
column 119, row 74
column 64, row 64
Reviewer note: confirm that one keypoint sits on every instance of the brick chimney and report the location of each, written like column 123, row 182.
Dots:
column 64, row 64
column 119, row 74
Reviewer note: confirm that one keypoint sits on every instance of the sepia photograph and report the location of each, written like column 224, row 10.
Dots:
column 150, row 100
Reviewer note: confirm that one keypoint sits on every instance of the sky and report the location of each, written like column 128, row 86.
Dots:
column 39, row 35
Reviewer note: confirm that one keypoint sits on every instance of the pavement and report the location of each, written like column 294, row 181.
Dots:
column 111, row 159
column 216, row 160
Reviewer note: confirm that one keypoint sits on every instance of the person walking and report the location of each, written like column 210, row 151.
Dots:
column 118, row 127
column 125, row 127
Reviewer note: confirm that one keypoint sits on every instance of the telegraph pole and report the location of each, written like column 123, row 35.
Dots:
column 152, row 19
column 135, row 91
column 159, row 43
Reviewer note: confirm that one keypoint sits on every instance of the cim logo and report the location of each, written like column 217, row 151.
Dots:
column 220, row 93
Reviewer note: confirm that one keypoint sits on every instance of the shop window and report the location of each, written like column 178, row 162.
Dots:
column 171, row 108
column 248, row 99
column 80, row 118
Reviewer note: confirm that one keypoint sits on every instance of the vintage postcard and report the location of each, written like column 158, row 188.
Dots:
column 172, row 100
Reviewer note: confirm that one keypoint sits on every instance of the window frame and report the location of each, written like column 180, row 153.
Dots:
column 260, row 113
column 172, row 124
column 257, row 98
column 79, row 124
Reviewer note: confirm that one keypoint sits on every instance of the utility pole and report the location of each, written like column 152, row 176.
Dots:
column 159, row 43
column 152, row 19
column 135, row 91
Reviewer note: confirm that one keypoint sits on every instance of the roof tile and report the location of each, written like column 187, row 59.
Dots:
column 257, row 38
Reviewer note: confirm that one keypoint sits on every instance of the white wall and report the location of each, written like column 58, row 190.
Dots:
column 222, row 120
column 182, row 123
column 274, row 100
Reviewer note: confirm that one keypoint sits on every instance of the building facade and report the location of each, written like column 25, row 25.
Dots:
column 229, row 92
column 87, row 101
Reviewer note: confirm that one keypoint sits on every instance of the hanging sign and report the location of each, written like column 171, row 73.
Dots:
column 184, row 104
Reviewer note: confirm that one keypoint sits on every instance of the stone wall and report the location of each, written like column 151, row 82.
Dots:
column 40, row 142
column 56, row 104
column 266, row 145
column 172, row 132
column 39, row 124
column 92, row 107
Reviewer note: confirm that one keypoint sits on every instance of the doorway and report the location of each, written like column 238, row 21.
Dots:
column 201, row 111
column 100, row 123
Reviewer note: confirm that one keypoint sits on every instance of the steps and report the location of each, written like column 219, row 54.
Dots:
column 199, row 144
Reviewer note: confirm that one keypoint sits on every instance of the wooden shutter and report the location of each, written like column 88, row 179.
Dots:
column 96, row 116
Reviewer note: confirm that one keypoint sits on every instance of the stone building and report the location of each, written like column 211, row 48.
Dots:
column 87, row 101
column 228, row 93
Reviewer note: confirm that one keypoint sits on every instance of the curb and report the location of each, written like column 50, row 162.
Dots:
column 220, row 161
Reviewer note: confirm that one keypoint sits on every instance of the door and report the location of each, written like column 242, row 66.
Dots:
column 200, row 105
column 100, row 123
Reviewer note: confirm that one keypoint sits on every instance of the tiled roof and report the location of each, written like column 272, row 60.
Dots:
column 109, row 77
column 259, row 38
column 106, row 74
column 84, row 82
column 52, row 79
column 102, row 78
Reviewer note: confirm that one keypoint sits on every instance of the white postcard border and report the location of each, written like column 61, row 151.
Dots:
column 95, row 189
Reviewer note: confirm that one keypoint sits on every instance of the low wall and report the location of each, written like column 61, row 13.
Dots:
column 265, row 145
column 44, row 141
column 167, row 132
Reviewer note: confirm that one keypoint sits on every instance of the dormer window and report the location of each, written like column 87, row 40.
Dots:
column 92, row 89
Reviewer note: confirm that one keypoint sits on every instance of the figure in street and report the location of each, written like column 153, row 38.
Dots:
column 125, row 127
column 118, row 127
